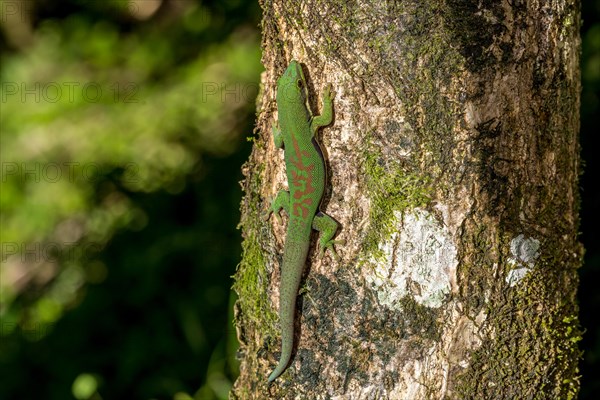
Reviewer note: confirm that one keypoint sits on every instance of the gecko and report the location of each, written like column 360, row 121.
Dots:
column 305, row 169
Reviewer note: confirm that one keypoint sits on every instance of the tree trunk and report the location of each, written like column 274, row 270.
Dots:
column 453, row 162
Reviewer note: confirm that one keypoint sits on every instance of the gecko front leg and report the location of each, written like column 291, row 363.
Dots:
column 326, row 112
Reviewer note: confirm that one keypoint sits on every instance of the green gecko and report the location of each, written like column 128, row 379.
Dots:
column 305, row 168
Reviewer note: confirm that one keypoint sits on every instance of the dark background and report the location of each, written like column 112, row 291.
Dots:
column 146, row 314
column 589, row 295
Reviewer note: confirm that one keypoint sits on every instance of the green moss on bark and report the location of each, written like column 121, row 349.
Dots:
column 532, row 336
column 392, row 191
column 251, row 279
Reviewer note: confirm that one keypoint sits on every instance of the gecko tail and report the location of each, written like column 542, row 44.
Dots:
column 291, row 272
column 287, row 338
column 284, row 360
column 281, row 366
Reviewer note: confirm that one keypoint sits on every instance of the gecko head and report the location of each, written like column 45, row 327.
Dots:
column 291, row 86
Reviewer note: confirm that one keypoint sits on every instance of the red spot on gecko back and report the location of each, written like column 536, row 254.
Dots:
column 301, row 181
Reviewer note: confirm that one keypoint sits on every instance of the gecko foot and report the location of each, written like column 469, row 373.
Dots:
column 328, row 92
column 266, row 214
column 329, row 245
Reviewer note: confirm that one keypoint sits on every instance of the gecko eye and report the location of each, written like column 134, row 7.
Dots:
column 299, row 83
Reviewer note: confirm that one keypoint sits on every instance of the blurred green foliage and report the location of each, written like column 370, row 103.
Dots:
column 123, row 131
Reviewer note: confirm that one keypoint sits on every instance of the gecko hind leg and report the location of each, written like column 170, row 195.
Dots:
column 327, row 226
column 282, row 201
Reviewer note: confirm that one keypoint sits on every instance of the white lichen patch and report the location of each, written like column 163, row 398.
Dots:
column 420, row 260
column 524, row 251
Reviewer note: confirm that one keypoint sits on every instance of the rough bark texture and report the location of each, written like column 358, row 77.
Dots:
column 453, row 165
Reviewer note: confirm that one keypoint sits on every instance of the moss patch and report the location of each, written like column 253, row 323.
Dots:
column 532, row 336
column 251, row 278
column 391, row 190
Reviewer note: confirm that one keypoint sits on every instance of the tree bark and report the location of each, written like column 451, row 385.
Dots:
column 453, row 163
